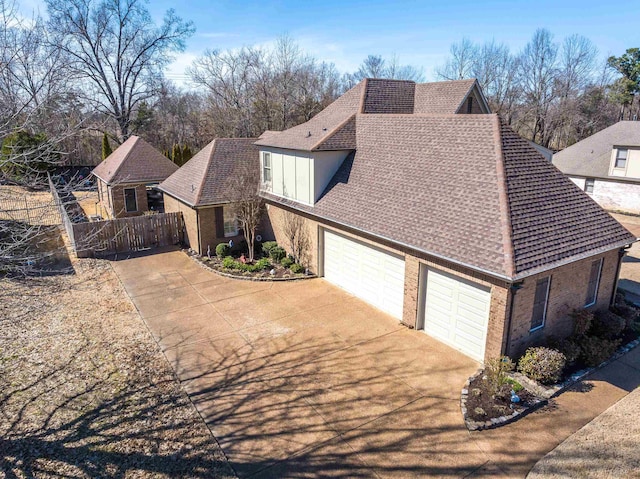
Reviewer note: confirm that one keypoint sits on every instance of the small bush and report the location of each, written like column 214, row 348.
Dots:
column 495, row 372
column 515, row 385
column 261, row 264
column 582, row 320
column 286, row 262
column 240, row 247
column 229, row 263
column 223, row 250
column 571, row 350
column 596, row 350
column 542, row 364
column 296, row 268
column 629, row 313
column 607, row 325
column 277, row 253
column 267, row 246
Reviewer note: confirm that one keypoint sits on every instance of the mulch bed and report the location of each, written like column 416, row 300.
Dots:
column 280, row 273
column 481, row 406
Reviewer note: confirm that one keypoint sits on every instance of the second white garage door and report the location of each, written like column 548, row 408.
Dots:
column 369, row 273
column 456, row 312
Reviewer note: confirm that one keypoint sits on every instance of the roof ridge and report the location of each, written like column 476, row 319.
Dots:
column 124, row 160
column 459, row 80
column 206, row 170
column 332, row 132
column 503, row 201
column 363, row 95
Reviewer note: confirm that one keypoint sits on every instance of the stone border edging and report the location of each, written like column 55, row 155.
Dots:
column 545, row 393
column 245, row 278
column 496, row 421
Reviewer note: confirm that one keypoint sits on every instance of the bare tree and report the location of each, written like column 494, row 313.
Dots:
column 375, row 66
column 247, row 205
column 460, row 64
column 294, row 228
column 117, row 50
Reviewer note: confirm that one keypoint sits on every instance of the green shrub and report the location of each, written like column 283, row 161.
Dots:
column 286, row 262
column 240, row 247
column 629, row 313
column 277, row 253
column 542, row 364
column 570, row 348
column 515, row 385
column 596, row 350
column 223, row 250
column 296, row 268
column 267, row 246
column 229, row 263
column 261, row 264
column 495, row 372
column 607, row 324
column 582, row 320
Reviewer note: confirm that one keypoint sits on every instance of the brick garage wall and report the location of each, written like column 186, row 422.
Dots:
column 117, row 200
column 189, row 215
column 567, row 292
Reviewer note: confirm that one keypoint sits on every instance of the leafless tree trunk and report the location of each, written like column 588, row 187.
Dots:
column 295, row 230
column 248, row 206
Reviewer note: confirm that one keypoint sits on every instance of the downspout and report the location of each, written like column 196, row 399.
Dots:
column 621, row 253
column 513, row 289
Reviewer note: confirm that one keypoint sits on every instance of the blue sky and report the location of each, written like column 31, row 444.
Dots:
column 418, row 32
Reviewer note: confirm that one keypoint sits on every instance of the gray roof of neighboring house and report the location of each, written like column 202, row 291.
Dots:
column 135, row 161
column 465, row 188
column 206, row 179
column 591, row 157
column 370, row 96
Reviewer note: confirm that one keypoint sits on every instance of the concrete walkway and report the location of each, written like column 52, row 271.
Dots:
column 300, row 379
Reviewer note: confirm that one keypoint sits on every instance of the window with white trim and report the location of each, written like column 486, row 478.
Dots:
column 230, row 222
column 594, row 282
column 621, row 158
column 589, row 183
column 540, row 301
column 266, row 167
column 130, row 200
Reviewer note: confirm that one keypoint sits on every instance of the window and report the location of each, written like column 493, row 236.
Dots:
column 266, row 167
column 589, row 184
column 130, row 200
column 621, row 158
column 230, row 222
column 540, row 303
column 594, row 282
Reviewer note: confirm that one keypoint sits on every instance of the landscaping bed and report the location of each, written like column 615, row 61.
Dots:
column 497, row 394
column 270, row 263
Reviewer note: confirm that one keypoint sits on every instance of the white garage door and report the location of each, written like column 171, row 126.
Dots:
column 456, row 312
column 369, row 273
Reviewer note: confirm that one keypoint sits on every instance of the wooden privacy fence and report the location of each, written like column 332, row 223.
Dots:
column 127, row 234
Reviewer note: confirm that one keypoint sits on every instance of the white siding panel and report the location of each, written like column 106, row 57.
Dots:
column 276, row 172
column 303, row 193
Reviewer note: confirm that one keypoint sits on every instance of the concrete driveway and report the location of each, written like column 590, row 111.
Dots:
column 300, row 379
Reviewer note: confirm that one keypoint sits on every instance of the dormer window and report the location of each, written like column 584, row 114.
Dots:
column 621, row 158
column 266, row 167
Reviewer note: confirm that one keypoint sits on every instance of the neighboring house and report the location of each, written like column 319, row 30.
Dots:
column 606, row 166
column 202, row 189
column 448, row 221
column 127, row 177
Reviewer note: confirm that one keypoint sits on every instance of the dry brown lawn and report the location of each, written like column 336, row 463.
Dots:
column 84, row 390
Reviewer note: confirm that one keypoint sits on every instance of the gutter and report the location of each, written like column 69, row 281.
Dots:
column 621, row 253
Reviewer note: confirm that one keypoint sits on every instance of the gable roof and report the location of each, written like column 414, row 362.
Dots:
column 465, row 188
column 592, row 156
column 370, row 96
column 204, row 179
column 135, row 161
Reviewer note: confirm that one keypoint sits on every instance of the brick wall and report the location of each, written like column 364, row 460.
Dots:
column 117, row 200
column 614, row 195
column 189, row 216
column 277, row 217
column 567, row 292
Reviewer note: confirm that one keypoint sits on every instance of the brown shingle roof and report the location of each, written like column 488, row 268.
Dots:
column 135, row 161
column 592, row 156
column 204, row 179
column 370, row 96
column 465, row 188
column 442, row 97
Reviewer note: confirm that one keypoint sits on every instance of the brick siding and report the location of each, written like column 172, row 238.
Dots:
column 117, row 206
